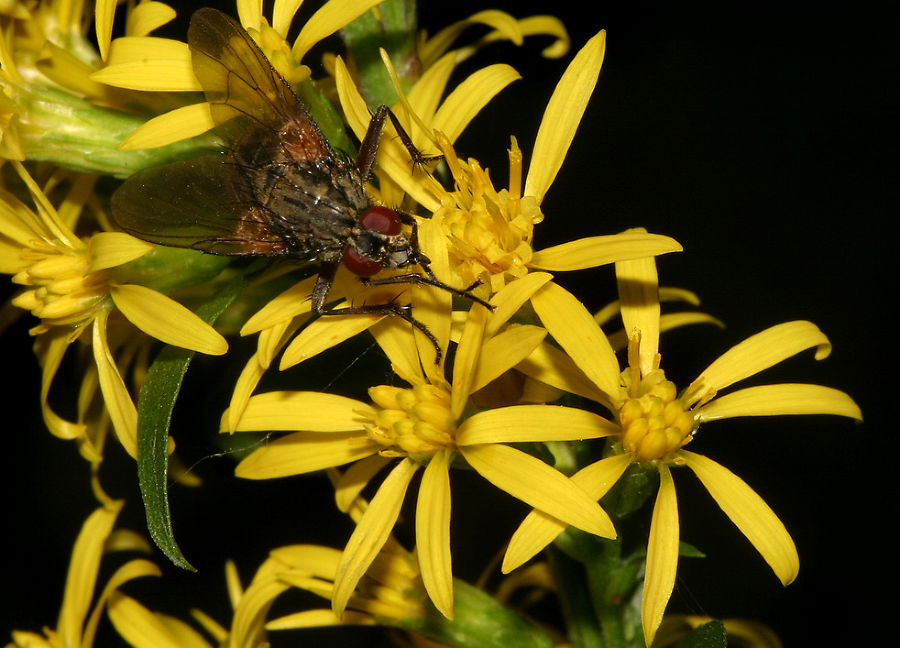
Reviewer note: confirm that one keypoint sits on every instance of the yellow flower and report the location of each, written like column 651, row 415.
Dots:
column 490, row 232
column 67, row 285
column 425, row 426
column 164, row 65
column 655, row 422
column 77, row 623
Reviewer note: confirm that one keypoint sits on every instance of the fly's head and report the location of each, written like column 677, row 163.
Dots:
column 378, row 241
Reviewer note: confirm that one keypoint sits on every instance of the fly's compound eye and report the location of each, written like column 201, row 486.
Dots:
column 380, row 221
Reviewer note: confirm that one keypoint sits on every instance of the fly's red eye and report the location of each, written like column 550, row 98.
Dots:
column 382, row 220
column 358, row 264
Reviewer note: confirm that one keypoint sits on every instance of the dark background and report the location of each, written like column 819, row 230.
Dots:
column 764, row 140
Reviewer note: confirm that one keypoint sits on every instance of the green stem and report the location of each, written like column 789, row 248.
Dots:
column 578, row 610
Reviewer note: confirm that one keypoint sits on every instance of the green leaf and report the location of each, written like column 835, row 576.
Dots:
column 392, row 27
column 155, row 404
column 709, row 635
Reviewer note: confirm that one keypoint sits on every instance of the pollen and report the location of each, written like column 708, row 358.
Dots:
column 490, row 231
column 414, row 422
column 59, row 290
column 655, row 422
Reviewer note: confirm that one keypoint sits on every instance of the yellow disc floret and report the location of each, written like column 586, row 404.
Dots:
column 413, row 422
column 654, row 422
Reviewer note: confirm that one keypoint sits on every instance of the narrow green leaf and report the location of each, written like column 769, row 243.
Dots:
column 155, row 404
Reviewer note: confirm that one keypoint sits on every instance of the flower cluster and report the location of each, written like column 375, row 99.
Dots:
column 492, row 366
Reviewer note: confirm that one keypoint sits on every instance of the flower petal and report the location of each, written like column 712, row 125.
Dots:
column 165, row 319
column 303, row 452
column 524, row 423
column 511, row 297
column 539, row 529
column 139, row 626
column 578, row 334
column 662, row 556
column 595, row 251
column 467, row 354
column 304, row 410
column 638, row 286
column 504, row 351
column 552, row 367
column 147, row 16
column 110, row 249
column 122, row 411
column 173, row 126
column 371, row 533
column 329, row 18
column 433, row 533
column 756, row 353
column 149, row 63
column 562, row 116
column 539, row 485
column 785, row 398
column 287, row 305
column 470, row 96
column 324, row 333
column 749, row 512
column 83, row 568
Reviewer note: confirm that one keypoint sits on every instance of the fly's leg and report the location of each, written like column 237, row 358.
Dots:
column 369, row 145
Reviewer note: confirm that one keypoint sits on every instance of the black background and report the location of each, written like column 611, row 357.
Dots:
column 764, row 140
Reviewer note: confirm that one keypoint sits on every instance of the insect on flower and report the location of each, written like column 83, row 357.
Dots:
column 279, row 190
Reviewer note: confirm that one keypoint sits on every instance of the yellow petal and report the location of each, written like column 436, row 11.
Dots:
column 246, row 383
column 539, row 529
column 466, row 360
column 167, row 320
column 139, row 626
column 283, row 12
column 662, row 556
column 433, row 533
column 504, row 351
column 356, row 110
column 577, row 333
column 173, row 126
column 122, row 411
column 307, row 411
column 287, row 305
column 322, row 334
column 329, row 18
column 595, row 251
column 53, row 348
column 320, row 619
column 110, row 249
column 470, row 96
column 511, row 297
column 638, row 284
column 147, row 16
column 82, row 576
column 505, row 27
column 303, row 452
column 398, row 344
column 104, row 12
column 538, row 485
column 149, row 63
column 129, row 571
column 250, row 612
column 371, row 533
column 553, row 367
column 425, row 96
column 355, row 479
column 523, row 423
column 756, row 353
column 431, row 305
column 562, row 116
column 750, row 513
column 786, row 398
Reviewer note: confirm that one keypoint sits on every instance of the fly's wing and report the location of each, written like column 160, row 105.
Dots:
column 245, row 92
column 185, row 204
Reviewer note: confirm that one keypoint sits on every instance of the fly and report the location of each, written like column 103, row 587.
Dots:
column 279, row 190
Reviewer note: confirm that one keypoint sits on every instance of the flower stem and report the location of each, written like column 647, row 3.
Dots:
column 578, row 610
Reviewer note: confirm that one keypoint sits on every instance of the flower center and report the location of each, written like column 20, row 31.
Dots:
column 655, row 422
column 60, row 290
column 413, row 422
column 490, row 231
